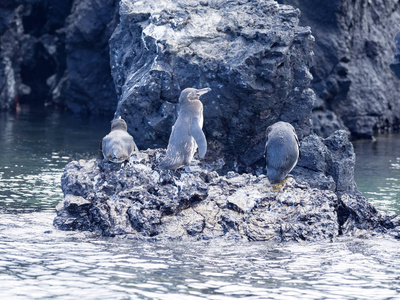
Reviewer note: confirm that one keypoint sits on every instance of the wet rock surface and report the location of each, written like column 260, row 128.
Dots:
column 252, row 54
column 354, row 46
column 139, row 201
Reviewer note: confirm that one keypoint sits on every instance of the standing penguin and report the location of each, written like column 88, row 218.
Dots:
column 282, row 150
column 187, row 133
column 118, row 145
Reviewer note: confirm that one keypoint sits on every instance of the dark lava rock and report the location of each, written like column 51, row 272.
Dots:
column 31, row 50
column 138, row 200
column 87, row 85
column 10, row 54
column 353, row 49
column 56, row 52
column 252, row 54
column 395, row 65
column 327, row 164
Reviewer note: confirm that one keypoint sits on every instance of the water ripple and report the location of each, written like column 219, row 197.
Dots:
column 36, row 265
column 38, row 262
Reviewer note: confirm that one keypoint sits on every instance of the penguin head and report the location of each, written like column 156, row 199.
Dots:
column 191, row 94
column 119, row 124
column 280, row 126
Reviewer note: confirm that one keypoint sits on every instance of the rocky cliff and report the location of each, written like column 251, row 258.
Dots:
column 56, row 53
column 252, row 54
column 395, row 65
column 356, row 90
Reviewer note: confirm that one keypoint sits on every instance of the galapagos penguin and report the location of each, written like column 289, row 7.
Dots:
column 282, row 150
column 187, row 133
column 118, row 145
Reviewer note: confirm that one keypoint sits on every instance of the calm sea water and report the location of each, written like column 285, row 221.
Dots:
column 378, row 171
column 40, row 262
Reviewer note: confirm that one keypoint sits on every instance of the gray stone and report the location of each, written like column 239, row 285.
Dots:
column 56, row 53
column 10, row 54
column 140, row 201
column 252, row 54
column 326, row 122
column 327, row 163
column 395, row 65
column 86, row 84
column 353, row 49
column 341, row 162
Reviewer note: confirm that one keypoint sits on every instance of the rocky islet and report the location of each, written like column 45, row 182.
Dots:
column 140, row 201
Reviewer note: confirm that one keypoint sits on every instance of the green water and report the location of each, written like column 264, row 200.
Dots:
column 377, row 171
column 36, row 146
column 40, row 262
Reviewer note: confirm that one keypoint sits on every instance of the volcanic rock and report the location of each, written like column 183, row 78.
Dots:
column 353, row 50
column 252, row 54
column 138, row 200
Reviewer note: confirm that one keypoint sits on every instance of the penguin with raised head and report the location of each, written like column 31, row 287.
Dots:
column 282, row 150
column 118, row 145
column 187, row 133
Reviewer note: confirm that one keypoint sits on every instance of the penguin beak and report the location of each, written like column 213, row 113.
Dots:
column 202, row 91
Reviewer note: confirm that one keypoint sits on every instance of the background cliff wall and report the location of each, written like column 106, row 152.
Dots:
column 355, row 45
column 56, row 53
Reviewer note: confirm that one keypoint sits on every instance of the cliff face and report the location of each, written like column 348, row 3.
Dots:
column 54, row 52
column 252, row 54
column 57, row 53
column 355, row 44
column 395, row 65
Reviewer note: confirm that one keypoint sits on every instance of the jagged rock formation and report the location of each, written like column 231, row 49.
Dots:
column 87, row 85
column 54, row 52
column 395, row 65
column 140, row 201
column 353, row 50
column 256, row 59
column 327, row 164
column 252, row 54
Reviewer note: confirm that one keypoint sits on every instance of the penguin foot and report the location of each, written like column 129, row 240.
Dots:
column 277, row 187
column 191, row 169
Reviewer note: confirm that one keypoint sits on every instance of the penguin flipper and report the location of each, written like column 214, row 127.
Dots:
column 269, row 128
column 298, row 143
column 100, row 154
column 197, row 133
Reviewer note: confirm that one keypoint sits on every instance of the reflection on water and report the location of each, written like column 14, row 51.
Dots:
column 35, row 147
column 38, row 261
column 377, row 171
